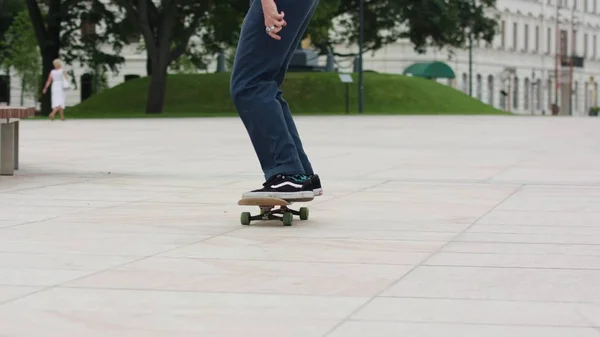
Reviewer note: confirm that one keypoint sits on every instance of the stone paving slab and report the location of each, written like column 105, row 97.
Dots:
column 430, row 226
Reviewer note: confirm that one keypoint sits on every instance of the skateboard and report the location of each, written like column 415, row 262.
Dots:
column 273, row 209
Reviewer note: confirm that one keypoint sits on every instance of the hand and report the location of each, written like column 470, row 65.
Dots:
column 273, row 18
column 44, row 91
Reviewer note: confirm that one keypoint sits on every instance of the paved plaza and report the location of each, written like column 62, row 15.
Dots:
column 429, row 227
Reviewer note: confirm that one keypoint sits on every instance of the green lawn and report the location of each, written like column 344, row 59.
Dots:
column 307, row 93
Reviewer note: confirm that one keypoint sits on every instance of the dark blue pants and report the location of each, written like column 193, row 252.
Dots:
column 259, row 70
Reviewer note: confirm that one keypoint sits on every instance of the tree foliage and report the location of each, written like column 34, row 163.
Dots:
column 58, row 30
column 92, row 35
column 8, row 10
column 437, row 23
column 22, row 55
column 171, row 28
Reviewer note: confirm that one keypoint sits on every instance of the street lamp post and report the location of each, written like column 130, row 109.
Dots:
column 361, row 38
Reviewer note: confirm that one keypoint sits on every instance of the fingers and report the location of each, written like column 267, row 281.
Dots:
column 275, row 20
column 274, row 35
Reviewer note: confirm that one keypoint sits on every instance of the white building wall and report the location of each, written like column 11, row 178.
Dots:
column 532, row 58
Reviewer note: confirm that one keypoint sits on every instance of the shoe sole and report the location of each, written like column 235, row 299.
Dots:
column 318, row 192
column 281, row 195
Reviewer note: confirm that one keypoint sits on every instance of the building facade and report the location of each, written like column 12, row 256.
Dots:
column 516, row 72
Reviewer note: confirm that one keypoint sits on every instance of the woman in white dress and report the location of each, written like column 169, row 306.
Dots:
column 59, row 83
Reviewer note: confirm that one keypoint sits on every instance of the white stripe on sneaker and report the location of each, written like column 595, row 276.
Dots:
column 287, row 183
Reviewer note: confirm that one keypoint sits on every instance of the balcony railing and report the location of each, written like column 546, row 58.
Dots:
column 565, row 61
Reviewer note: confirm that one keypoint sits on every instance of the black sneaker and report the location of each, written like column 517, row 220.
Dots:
column 316, row 184
column 288, row 187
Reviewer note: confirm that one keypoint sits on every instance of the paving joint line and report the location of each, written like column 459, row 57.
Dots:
column 416, row 266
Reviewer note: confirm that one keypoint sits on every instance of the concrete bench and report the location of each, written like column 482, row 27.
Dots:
column 9, row 137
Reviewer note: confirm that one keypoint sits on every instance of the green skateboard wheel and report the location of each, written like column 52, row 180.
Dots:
column 245, row 218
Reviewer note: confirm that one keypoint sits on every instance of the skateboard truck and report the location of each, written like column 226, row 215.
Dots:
column 268, row 210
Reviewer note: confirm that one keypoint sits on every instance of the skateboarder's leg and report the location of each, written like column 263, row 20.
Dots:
column 308, row 169
column 291, row 125
column 279, row 77
column 306, row 165
column 254, row 88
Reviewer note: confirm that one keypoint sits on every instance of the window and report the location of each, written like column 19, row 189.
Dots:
column 133, row 37
column 575, row 94
column 586, row 99
column 526, row 34
column 574, row 43
column 131, row 77
column 585, row 45
column 87, row 28
column 465, row 83
column 585, row 5
column 87, row 86
column 563, row 42
column 538, row 98
column 479, row 88
column 516, row 93
column 515, row 35
column 594, row 46
column 502, row 34
column 537, row 39
column 549, row 93
column 491, row 90
column 549, row 41
column 526, row 94
column 5, row 89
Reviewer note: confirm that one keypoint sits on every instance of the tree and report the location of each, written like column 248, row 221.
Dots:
column 8, row 11
column 90, row 26
column 58, row 30
column 22, row 55
column 47, row 33
column 172, row 28
column 166, row 29
column 437, row 23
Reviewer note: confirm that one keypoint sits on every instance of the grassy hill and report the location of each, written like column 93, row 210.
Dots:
column 307, row 93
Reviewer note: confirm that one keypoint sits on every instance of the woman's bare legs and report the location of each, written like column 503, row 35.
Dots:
column 53, row 113
column 60, row 110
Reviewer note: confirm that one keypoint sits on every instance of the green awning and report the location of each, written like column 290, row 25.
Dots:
column 430, row 70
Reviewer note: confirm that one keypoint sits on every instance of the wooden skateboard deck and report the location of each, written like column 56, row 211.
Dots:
column 266, row 201
column 268, row 210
